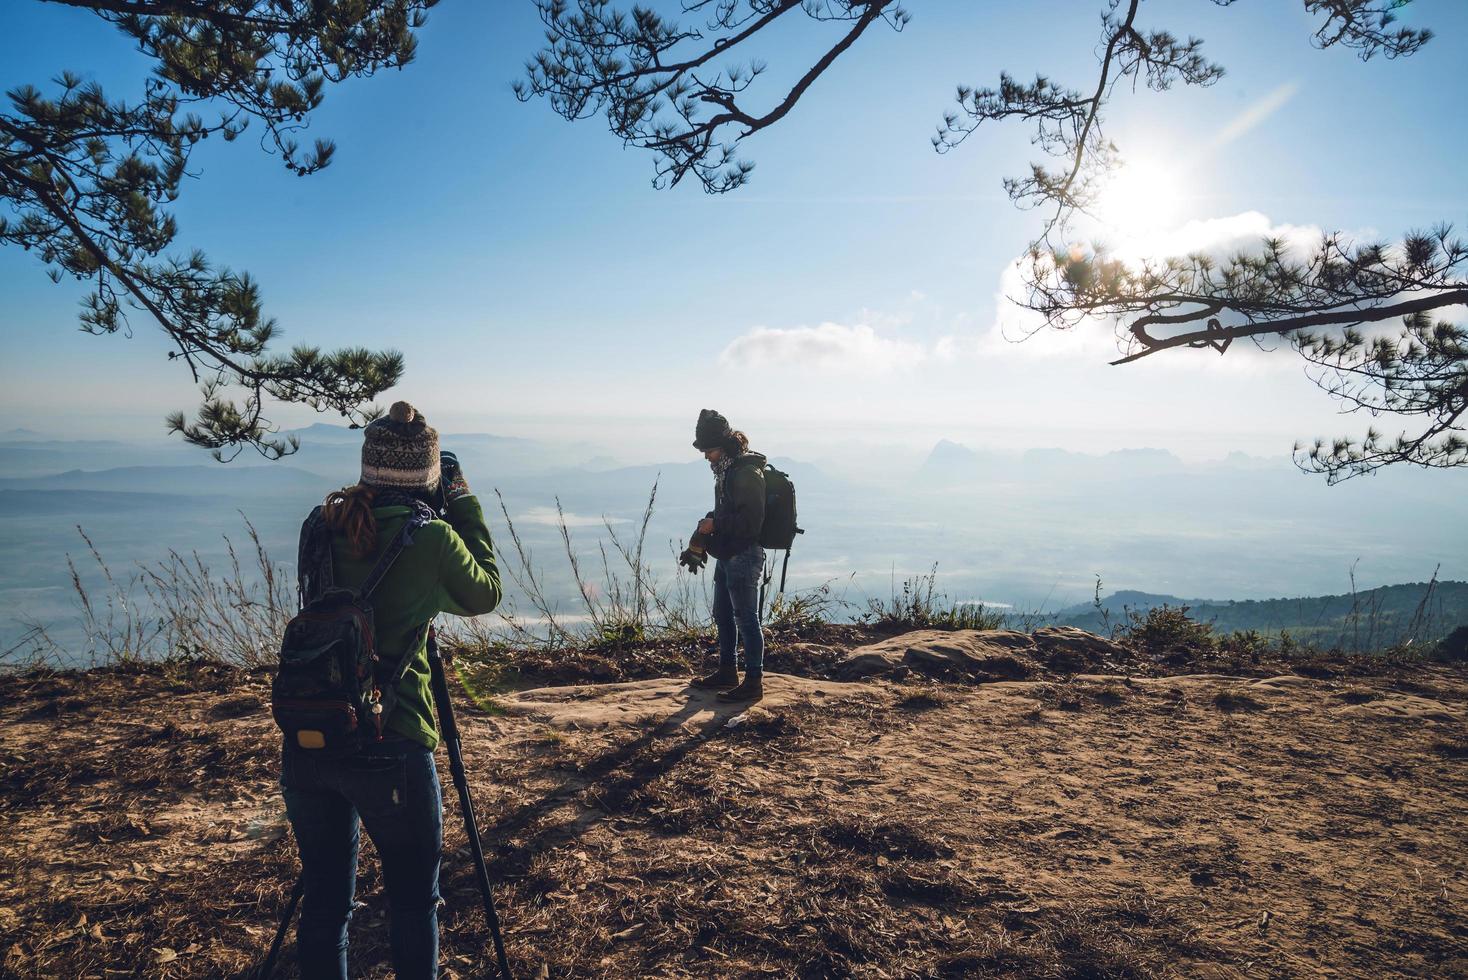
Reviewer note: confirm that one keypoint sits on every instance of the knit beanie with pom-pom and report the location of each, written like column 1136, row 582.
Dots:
column 400, row 450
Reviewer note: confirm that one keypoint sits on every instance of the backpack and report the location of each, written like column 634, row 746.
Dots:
column 328, row 694
column 779, row 529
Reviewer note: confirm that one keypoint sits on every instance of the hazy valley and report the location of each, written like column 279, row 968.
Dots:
column 1026, row 532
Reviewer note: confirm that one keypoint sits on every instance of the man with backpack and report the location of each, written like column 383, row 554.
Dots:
column 731, row 534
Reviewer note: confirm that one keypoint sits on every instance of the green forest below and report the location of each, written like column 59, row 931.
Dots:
column 1370, row 619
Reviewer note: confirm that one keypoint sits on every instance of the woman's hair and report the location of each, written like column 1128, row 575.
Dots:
column 349, row 510
column 737, row 444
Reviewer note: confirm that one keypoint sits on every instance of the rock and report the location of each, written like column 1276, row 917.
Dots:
column 1066, row 661
column 972, row 652
column 1071, row 645
column 1282, row 683
column 936, row 659
column 984, row 654
column 860, row 665
column 1407, row 708
column 1004, row 668
column 975, row 643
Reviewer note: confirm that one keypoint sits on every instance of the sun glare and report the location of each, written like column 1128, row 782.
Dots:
column 1140, row 201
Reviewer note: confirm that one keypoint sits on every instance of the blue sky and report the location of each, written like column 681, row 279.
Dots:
column 848, row 297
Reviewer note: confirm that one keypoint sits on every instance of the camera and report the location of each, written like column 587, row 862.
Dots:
column 449, row 470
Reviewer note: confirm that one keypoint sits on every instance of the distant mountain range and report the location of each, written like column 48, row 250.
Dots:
column 1369, row 619
column 329, row 457
column 950, row 464
column 222, row 481
column 325, row 432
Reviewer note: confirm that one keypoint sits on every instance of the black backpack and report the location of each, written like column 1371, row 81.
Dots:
column 328, row 694
column 779, row 529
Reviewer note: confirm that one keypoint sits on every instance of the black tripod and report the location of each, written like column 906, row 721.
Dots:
column 450, row 732
column 449, row 729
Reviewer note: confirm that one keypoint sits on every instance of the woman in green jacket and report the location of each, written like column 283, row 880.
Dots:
column 391, row 786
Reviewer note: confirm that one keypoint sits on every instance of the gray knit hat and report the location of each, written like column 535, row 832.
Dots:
column 712, row 431
column 400, row 450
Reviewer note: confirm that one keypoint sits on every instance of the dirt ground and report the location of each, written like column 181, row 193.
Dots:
column 1082, row 826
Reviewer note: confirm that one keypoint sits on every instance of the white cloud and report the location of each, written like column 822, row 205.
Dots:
column 1217, row 237
column 948, row 348
column 832, row 347
column 880, row 320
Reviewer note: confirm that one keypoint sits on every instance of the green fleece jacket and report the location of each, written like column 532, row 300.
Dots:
column 449, row 568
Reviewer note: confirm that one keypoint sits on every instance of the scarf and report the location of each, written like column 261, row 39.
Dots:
column 721, row 471
column 394, row 497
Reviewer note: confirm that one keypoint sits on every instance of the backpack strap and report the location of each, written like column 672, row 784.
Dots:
column 420, row 516
column 399, row 672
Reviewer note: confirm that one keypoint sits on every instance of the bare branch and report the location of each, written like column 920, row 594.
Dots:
column 655, row 83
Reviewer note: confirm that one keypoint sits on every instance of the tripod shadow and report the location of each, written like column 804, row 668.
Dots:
column 601, row 773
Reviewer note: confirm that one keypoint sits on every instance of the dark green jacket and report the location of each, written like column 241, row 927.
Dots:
column 447, row 569
column 739, row 512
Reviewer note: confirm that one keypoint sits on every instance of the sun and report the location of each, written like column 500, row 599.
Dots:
column 1140, row 200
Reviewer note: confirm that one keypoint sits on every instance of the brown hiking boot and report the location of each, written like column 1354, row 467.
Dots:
column 719, row 680
column 753, row 689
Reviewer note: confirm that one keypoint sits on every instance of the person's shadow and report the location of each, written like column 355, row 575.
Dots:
column 613, row 776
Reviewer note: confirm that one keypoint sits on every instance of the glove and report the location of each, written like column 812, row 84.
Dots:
column 452, row 479
column 694, row 557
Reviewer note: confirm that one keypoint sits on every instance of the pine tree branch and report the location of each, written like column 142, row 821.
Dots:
column 208, row 12
column 1215, row 332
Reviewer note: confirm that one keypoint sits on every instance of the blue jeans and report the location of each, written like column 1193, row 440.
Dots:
column 736, row 609
column 393, row 787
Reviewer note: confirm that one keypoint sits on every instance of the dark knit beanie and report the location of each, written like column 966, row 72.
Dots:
column 712, row 431
column 400, row 450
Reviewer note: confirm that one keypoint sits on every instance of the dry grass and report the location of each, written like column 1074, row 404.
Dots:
column 923, row 830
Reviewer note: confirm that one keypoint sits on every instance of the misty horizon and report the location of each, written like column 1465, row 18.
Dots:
column 1026, row 531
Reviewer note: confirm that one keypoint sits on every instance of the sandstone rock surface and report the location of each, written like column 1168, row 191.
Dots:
column 983, row 654
column 669, row 702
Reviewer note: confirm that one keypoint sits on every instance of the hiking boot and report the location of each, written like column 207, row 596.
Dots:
column 753, row 689
column 719, row 680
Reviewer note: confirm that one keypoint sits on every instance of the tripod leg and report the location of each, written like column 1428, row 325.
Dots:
column 450, row 732
column 268, row 967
